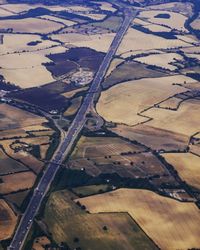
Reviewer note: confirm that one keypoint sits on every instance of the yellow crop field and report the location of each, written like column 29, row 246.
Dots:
column 139, row 95
column 182, row 121
column 17, row 8
column 187, row 165
column 196, row 23
column 4, row 12
column 21, row 43
column 157, row 28
column 170, row 224
column 136, row 40
column 163, row 60
column 20, row 70
column 58, row 20
column 30, row 25
column 175, row 20
column 106, row 6
column 100, row 42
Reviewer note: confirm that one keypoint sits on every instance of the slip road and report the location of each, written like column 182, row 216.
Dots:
column 67, row 143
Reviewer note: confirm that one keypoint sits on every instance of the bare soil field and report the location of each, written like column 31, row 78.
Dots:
column 122, row 232
column 187, row 165
column 8, row 221
column 139, row 95
column 17, row 198
column 8, row 165
column 12, row 118
column 155, row 138
column 17, row 182
column 169, row 223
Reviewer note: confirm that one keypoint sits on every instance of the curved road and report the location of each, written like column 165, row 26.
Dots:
column 72, row 133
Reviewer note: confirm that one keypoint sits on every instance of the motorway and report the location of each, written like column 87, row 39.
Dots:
column 68, row 142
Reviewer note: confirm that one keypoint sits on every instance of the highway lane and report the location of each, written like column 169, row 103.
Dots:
column 67, row 143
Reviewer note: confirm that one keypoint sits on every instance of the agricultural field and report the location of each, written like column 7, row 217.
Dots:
column 155, row 138
column 138, row 96
column 130, row 71
column 128, row 160
column 187, row 165
column 58, row 20
column 73, row 108
column 37, row 25
column 183, row 8
column 130, row 179
column 161, row 60
column 8, row 165
column 178, row 229
column 92, row 231
column 165, row 18
column 196, row 23
column 14, row 118
column 8, row 221
column 24, row 140
column 16, row 182
column 136, row 40
column 97, row 42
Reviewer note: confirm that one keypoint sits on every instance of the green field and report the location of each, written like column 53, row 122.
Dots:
column 90, row 190
column 130, row 71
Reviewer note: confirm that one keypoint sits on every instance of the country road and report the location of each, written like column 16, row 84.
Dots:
column 67, row 143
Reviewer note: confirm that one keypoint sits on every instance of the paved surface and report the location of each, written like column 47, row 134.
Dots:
column 67, row 143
